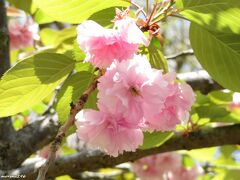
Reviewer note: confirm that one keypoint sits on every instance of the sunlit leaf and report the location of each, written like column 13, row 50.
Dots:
column 72, row 89
column 217, row 15
column 75, row 11
column 219, row 54
column 31, row 80
column 157, row 59
column 155, row 139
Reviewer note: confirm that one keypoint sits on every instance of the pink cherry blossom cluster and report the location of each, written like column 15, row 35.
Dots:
column 166, row 166
column 21, row 33
column 132, row 96
column 102, row 45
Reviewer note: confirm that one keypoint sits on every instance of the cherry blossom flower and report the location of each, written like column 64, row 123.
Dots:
column 103, row 46
column 176, row 107
column 22, row 33
column 183, row 173
column 145, row 95
column 111, row 133
column 120, row 88
column 166, row 166
column 120, row 14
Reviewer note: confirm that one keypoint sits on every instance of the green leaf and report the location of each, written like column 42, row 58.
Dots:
column 78, row 54
column 211, row 111
column 60, row 41
column 227, row 150
column 216, row 15
column 31, row 80
column 201, row 99
column 203, row 155
column 220, row 98
column 157, row 59
column 155, row 139
column 72, row 89
column 41, row 18
column 231, row 117
column 104, row 16
column 84, row 66
column 67, row 34
column 219, row 54
column 75, row 11
column 48, row 36
column 187, row 161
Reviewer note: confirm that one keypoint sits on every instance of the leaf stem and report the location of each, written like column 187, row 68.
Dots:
column 147, row 6
column 139, row 9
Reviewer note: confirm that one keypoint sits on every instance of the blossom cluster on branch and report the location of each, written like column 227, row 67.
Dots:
column 165, row 166
column 132, row 96
column 22, row 31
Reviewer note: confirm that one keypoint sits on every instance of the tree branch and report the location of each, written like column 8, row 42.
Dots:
column 26, row 141
column 92, row 160
column 41, row 132
column 181, row 54
column 200, row 80
column 63, row 129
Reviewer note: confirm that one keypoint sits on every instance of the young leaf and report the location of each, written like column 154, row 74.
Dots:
column 219, row 54
column 157, row 59
column 104, row 16
column 211, row 111
column 72, row 89
column 155, row 139
column 78, row 54
column 75, row 11
column 31, row 80
column 219, row 97
column 217, row 15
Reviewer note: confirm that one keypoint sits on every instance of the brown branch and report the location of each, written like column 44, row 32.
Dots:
column 63, row 129
column 42, row 131
column 200, row 80
column 92, row 160
column 23, row 143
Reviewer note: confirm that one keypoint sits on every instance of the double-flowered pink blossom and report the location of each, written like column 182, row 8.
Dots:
column 21, row 33
column 103, row 46
column 166, row 166
column 132, row 98
column 145, row 95
column 112, row 133
column 176, row 106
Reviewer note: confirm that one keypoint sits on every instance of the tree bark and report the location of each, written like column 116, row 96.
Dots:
column 6, row 128
column 89, row 160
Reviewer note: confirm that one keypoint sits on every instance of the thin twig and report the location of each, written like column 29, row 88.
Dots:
column 51, row 103
column 147, row 6
column 140, row 9
column 63, row 129
column 178, row 16
column 152, row 13
column 183, row 53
